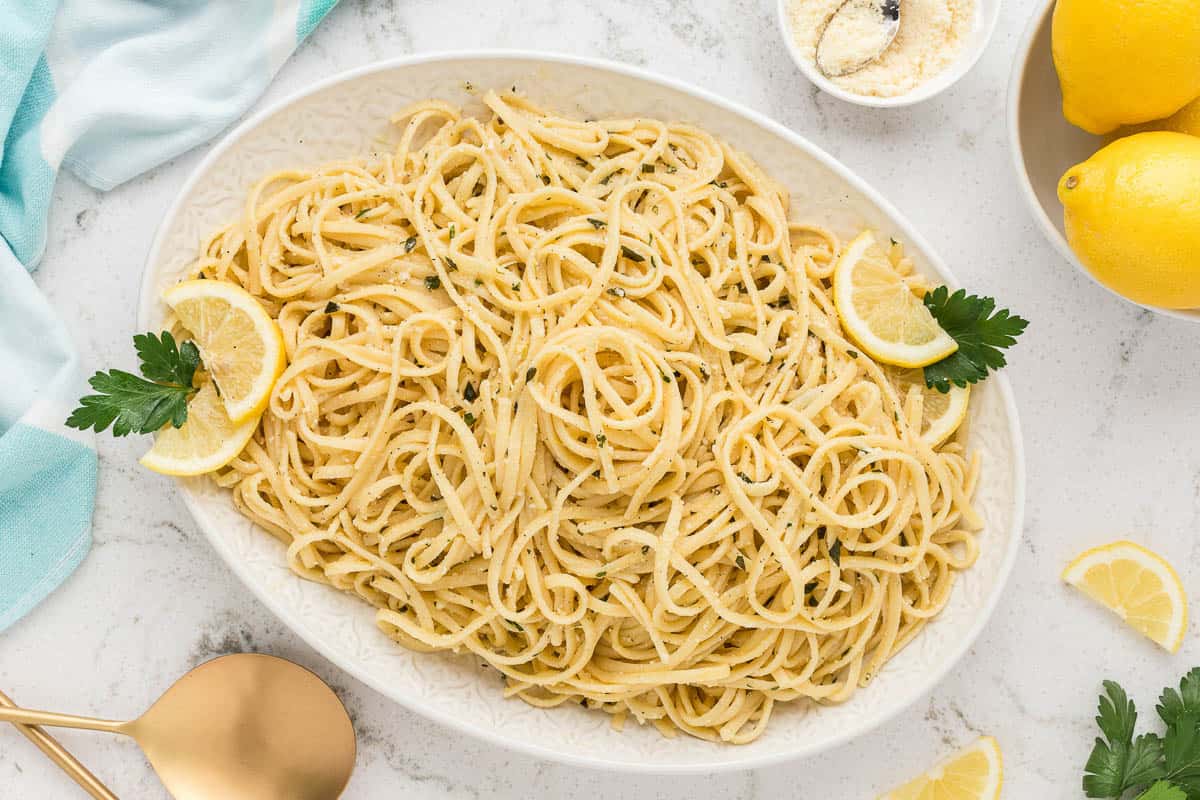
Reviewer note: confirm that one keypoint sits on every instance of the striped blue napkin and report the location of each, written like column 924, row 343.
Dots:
column 106, row 89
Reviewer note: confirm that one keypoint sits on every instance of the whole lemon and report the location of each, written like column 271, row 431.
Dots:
column 1185, row 120
column 1132, row 215
column 1123, row 62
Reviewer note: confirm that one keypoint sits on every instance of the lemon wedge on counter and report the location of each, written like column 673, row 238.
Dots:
column 207, row 441
column 880, row 312
column 974, row 773
column 942, row 414
column 240, row 345
column 1136, row 584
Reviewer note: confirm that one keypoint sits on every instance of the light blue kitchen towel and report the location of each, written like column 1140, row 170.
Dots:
column 106, row 89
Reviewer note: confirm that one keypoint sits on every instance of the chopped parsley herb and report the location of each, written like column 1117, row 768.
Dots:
column 469, row 418
column 597, row 223
column 469, row 393
column 616, row 291
column 672, row 169
column 516, row 287
column 452, row 231
column 631, row 254
column 741, row 562
column 512, row 623
column 647, row 168
column 432, row 282
column 409, row 244
column 704, row 375
column 529, row 373
column 545, row 179
column 601, row 439
column 478, row 282
column 666, row 378
column 852, row 353
column 360, row 214
column 745, row 478
column 601, row 573
column 645, row 549
column 450, row 265
column 331, row 307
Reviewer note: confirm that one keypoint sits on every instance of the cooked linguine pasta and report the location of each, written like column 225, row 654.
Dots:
column 572, row 397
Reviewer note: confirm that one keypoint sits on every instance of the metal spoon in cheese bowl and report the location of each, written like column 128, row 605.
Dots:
column 239, row 727
column 857, row 34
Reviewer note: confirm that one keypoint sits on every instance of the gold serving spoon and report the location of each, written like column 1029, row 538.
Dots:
column 855, row 35
column 59, row 755
column 239, row 727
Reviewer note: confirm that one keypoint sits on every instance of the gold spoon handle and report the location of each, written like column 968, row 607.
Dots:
column 59, row 755
column 27, row 717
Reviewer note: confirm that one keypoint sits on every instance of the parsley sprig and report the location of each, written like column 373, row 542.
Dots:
column 1163, row 767
column 133, row 404
column 981, row 332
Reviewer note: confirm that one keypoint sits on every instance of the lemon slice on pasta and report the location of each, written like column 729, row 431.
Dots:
column 941, row 414
column 207, row 441
column 1137, row 585
column 974, row 773
column 881, row 313
column 240, row 345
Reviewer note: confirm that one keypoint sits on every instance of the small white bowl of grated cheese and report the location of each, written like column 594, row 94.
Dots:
column 937, row 43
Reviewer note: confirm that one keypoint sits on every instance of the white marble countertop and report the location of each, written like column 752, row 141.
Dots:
column 1107, row 395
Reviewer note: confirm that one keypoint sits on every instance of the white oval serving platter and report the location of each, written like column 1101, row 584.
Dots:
column 347, row 115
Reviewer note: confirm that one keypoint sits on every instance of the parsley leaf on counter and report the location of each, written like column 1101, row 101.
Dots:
column 980, row 333
column 1163, row 791
column 1118, row 761
column 133, row 404
column 1174, row 704
column 1167, row 767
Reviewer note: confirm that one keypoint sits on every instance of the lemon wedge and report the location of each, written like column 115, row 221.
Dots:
column 1137, row 585
column 240, row 345
column 942, row 414
column 974, row 773
column 207, row 441
column 881, row 313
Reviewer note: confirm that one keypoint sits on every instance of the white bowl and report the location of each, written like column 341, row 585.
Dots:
column 987, row 14
column 1045, row 145
column 347, row 114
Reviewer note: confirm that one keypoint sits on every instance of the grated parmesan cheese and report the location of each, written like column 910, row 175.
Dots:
column 931, row 35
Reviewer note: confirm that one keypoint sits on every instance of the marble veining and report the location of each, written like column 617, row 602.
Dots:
column 1106, row 398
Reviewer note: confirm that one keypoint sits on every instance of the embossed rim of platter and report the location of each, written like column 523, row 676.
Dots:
column 655, row 759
